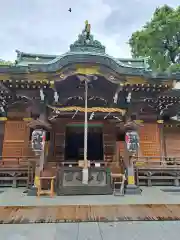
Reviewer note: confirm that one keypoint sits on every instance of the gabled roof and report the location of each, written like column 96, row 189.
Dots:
column 80, row 46
column 25, row 59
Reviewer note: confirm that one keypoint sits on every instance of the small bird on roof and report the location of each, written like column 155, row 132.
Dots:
column 70, row 10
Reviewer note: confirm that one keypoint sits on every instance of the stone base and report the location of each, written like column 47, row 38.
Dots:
column 132, row 190
column 32, row 191
column 69, row 182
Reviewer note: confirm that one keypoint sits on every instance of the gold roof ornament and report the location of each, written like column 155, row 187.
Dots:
column 87, row 26
column 87, row 30
column 86, row 42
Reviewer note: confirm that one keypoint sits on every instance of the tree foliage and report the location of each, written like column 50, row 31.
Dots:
column 3, row 62
column 159, row 40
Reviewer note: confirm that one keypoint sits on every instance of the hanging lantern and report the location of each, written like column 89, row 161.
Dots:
column 132, row 141
column 38, row 139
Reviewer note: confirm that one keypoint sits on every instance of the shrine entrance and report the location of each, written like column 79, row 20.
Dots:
column 74, row 143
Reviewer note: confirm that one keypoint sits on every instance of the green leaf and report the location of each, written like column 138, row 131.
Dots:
column 3, row 62
column 159, row 39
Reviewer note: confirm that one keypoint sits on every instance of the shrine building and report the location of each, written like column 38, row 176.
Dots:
column 53, row 93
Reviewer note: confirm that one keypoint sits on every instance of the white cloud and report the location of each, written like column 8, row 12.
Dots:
column 46, row 26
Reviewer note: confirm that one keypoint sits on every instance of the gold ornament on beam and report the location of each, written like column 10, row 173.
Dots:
column 51, row 84
column 3, row 118
column 160, row 121
column 90, row 110
column 62, row 76
column 138, row 121
column 27, row 119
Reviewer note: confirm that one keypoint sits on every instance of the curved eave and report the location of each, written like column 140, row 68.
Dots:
column 34, row 55
column 79, row 57
column 25, row 59
column 6, row 69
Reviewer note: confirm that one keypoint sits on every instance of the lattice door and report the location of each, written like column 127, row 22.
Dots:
column 1, row 137
column 172, row 141
column 149, row 140
column 122, row 148
column 16, row 138
column 59, row 142
column 109, row 143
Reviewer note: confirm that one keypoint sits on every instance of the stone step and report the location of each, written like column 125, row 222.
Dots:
column 85, row 190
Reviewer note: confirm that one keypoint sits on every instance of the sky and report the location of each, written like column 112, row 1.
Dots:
column 46, row 26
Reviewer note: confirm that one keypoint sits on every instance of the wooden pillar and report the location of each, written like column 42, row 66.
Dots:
column 161, row 138
column 164, row 140
column 39, row 168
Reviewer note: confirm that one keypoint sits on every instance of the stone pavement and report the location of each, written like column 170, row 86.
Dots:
column 92, row 231
column 150, row 195
column 86, row 231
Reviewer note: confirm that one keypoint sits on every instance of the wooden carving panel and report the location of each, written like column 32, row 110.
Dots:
column 149, row 140
column 13, row 149
column 172, row 141
column 16, row 138
column 15, row 131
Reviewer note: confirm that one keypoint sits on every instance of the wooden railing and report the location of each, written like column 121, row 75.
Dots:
column 169, row 161
column 156, row 161
column 150, row 171
column 17, row 171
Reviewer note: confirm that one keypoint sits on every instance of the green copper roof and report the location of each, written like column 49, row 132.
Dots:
column 24, row 59
column 86, row 45
column 84, row 50
column 134, row 63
